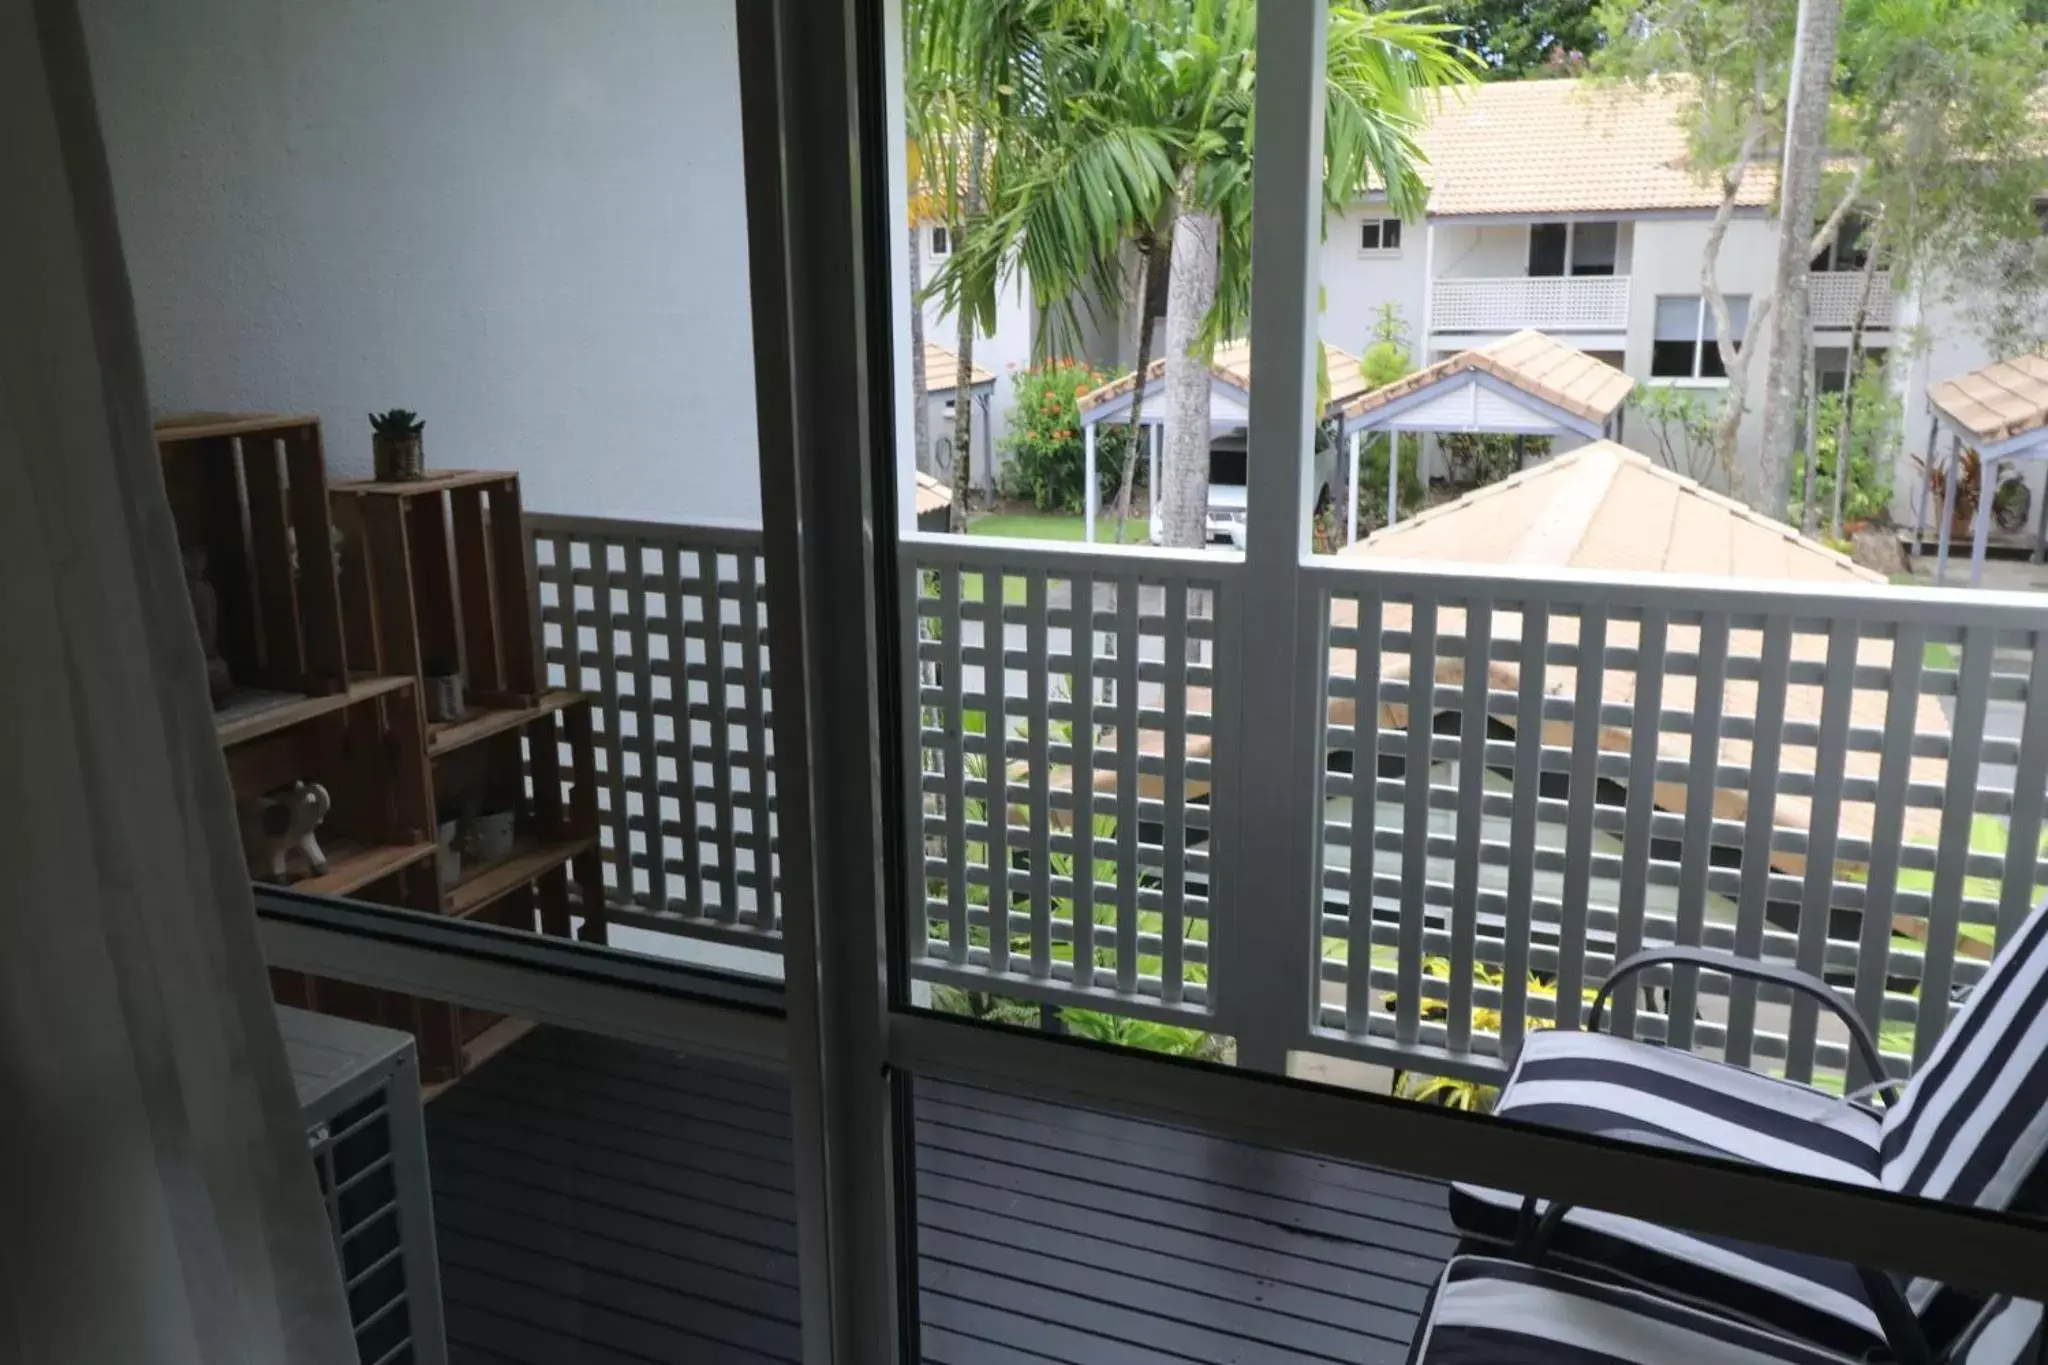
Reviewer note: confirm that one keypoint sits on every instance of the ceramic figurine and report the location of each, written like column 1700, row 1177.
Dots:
column 278, row 822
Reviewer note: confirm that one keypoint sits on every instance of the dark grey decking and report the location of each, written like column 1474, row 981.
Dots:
column 601, row 1203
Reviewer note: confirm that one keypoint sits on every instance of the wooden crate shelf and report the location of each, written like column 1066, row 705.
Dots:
column 482, row 723
column 484, row 885
column 249, row 493
column 436, row 569
column 252, row 719
column 367, row 747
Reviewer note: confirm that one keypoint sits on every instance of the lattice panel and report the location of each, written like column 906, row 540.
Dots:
column 666, row 627
column 1803, row 779
column 1065, row 767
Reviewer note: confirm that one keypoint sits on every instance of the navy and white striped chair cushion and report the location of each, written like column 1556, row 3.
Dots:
column 1972, row 1127
column 1594, row 1083
column 1486, row 1311
column 1489, row 1311
column 2003, row 1334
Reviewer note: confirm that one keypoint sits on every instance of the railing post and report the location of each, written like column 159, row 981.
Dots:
column 1268, row 910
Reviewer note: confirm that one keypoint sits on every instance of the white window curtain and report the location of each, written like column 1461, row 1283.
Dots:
column 156, row 1199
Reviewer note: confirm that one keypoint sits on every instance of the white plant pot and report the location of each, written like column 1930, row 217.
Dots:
column 450, row 861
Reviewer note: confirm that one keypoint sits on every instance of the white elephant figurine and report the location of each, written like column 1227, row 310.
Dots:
column 277, row 822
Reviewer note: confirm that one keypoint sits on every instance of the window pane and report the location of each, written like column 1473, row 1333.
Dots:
column 1710, row 360
column 1390, row 234
column 1593, row 248
column 1546, row 249
column 1671, row 360
column 1738, row 316
column 1678, row 318
column 1369, row 235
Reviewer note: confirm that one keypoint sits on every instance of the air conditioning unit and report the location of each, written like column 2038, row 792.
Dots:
column 359, row 1090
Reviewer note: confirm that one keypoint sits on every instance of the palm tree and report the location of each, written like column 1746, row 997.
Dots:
column 1379, row 64
column 1131, row 122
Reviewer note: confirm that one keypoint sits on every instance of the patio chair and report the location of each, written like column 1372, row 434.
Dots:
column 1971, row 1127
column 1487, row 1310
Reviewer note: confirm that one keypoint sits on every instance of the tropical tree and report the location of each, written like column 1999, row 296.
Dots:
column 1132, row 123
column 1379, row 64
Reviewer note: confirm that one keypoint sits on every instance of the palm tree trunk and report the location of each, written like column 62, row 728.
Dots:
column 1844, row 461
column 963, row 422
column 1798, row 197
column 1809, row 501
column 1135, row 444
column 1190, row 294
column 920, row 403
column 963, row 374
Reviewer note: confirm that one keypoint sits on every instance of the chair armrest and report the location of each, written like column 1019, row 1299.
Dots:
column 1789, row 977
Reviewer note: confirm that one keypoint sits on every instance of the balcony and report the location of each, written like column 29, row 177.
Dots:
column 1558, row 303
column 1833, row 295
column 1818, row 775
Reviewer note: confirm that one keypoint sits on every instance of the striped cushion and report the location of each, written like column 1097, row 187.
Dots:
column 1486, row 1311
column 1973, row 1126
column 2002, row 1335
column 1594, row 1083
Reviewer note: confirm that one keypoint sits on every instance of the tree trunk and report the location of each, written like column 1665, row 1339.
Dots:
column 1134, row 446
column 1798, row 198
column 1190, row 294
column 963, row 374
column 1809, row 501
column 963, row 422
column 1844, row 461
column 1734, row 356
column 920, row 402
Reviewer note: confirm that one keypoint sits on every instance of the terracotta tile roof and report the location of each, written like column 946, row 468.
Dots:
column 942, row 371
column 1232, row 364
column 1605, row 507
column 931, row 494
column 1998, row 402
column 1550, row 370
column 1567, row 146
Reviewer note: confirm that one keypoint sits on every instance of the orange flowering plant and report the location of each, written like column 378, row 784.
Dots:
column 1044, row 453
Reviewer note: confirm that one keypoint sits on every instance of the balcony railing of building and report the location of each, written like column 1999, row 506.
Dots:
column 1547, row 303
column 1833, row 295
column 1817, row 776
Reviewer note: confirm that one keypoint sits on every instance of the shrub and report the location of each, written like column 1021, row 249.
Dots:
column 1873, row 437
column 1045, row 446
column 1476, row 460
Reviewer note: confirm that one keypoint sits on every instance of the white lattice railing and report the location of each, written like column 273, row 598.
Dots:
column 666, row 627
column 1548, row 303
column 1064, row 735
column 1832, row 296
column 1804, row 775
column 1825, row 776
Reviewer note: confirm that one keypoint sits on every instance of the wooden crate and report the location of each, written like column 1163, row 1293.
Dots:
column 437, row 567
column 367, row 747
column 515, row 758
column 251, row 492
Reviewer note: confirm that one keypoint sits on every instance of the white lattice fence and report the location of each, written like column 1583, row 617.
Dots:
column 1064, row 735
column 1583, row 303
column 666, row 627
column 1820, row 777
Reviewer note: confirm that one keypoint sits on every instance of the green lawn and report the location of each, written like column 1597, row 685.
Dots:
column 1939, row 656
column 1055, row 526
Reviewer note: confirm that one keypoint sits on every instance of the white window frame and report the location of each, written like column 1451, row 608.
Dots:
column 1699, row 342
column 1382, row 252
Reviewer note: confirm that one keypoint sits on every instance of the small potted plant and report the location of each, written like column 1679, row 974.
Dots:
column 492, row 832
column 395, row 445
column 444, row 686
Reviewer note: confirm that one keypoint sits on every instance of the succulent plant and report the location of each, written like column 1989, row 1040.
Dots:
column 397, row 422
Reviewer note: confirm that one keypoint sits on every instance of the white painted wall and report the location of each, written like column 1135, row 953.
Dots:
column 1355, row 284
column 523, row 218
column 1666, row 261
column 1002, row 353
column 1490, row 251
